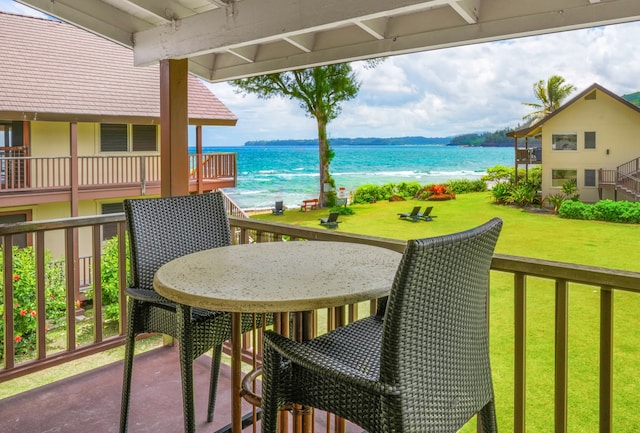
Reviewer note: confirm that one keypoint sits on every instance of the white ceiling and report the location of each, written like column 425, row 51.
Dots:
column 227, row 39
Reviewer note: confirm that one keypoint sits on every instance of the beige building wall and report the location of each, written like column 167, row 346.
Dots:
column 617, row 129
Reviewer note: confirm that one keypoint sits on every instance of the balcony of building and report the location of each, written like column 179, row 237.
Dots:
column 28, row 180
column 90, row 400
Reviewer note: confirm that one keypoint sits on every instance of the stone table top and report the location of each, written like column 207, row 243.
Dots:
column 279, row 276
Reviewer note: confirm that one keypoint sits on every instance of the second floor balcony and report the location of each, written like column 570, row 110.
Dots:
column 26, row 180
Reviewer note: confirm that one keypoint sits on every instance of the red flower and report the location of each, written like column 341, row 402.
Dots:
column 17, row 338
column 33, row 313
column 23, row 312
column 50, row 296
column 78, row 303
column 16, row 277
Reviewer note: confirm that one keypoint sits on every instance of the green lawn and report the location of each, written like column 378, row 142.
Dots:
column 542, row 236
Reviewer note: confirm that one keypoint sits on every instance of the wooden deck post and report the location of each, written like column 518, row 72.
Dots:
column 174, row 119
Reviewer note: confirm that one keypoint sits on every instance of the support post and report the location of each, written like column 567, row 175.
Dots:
column 174, row 119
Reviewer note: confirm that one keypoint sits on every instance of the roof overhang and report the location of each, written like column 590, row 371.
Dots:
column 229, row 39
column 101, row 118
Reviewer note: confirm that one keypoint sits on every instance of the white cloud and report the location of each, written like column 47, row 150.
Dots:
column 444, row 92
column 453, row 91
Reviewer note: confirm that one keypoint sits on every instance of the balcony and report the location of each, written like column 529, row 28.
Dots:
column 537, row 290
column 529, row 156
column 25, row 180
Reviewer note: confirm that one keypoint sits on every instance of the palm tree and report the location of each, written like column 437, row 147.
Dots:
column 550, row 94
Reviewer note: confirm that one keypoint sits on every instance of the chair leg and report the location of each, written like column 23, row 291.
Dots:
column 128, row 369
column 270, row 383
column 488, row 418
column 186, row 366
column 213, row 384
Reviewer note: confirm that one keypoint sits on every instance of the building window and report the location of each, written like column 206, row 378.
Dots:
column 559, row 177
column 22, row 240
column 123, row 138
column 589, row 177
column 564, row 142
column 590, row 140
column 113, row 137
column 110, row 230
column 144, row 138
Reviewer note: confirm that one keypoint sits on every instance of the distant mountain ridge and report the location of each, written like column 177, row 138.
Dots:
column 634, row 98
column 362, row 141
column 481, row 139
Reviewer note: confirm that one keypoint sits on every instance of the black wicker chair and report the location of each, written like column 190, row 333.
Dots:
column 420, row 366
column 160, row 230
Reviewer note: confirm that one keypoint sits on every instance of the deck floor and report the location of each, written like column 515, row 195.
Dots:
column 90, row 402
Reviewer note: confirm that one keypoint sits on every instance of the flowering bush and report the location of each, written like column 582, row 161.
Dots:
column 24, row 308
column 437, row 192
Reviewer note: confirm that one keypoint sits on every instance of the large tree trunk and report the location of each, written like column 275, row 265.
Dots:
column 323, row 148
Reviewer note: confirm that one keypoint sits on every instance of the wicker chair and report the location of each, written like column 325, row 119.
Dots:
column 160, row 230
column 421, row 366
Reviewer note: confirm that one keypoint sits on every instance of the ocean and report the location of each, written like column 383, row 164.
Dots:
column 290, row 173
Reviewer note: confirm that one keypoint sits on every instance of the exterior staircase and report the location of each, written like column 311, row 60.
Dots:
column 625, row 178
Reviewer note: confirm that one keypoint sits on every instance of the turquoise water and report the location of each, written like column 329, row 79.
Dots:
column 288, row 173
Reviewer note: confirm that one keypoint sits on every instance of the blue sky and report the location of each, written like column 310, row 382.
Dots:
column 445, row 92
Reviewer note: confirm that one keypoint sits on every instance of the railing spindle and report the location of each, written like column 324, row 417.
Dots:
column 561, row 355
column 606, row 359
column 520, row 352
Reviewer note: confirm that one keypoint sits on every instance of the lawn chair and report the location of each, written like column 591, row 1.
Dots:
column 414, row 215
column 427, row 214
column 368, row 371
column 330, row 222
column 279, row 209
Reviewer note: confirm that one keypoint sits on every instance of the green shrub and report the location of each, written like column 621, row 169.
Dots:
column 604, row 210
column 501, row 192
column 617, row 211
column 342, row 210
column 498, row 173
column 555, row 200
column 575, row 210
column 110, row 279
column 408, row 189
column 523, row 195
column 570, row 189
column 462, row 186
column 368, row 193
column 25, row 310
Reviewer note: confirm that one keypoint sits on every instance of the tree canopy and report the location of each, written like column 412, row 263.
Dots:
column 319, row 92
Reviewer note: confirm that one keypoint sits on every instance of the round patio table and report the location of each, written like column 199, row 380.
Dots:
column 276, row 277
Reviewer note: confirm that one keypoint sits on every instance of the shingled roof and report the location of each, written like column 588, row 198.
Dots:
column 50, row 70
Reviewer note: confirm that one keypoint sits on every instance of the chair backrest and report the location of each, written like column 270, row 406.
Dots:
column 416, row 210
column 435, row 336
column 279, row 205
column 427, row 211
column 333, row 217
column 162, row 229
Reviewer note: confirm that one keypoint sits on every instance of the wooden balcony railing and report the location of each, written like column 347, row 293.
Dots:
column 31, row 175
column 527, row 279
column 529, row 156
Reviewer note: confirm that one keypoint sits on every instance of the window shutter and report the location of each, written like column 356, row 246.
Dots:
column 590, row 177
column 145, row 138
column 590, row 140
column 113, row 137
